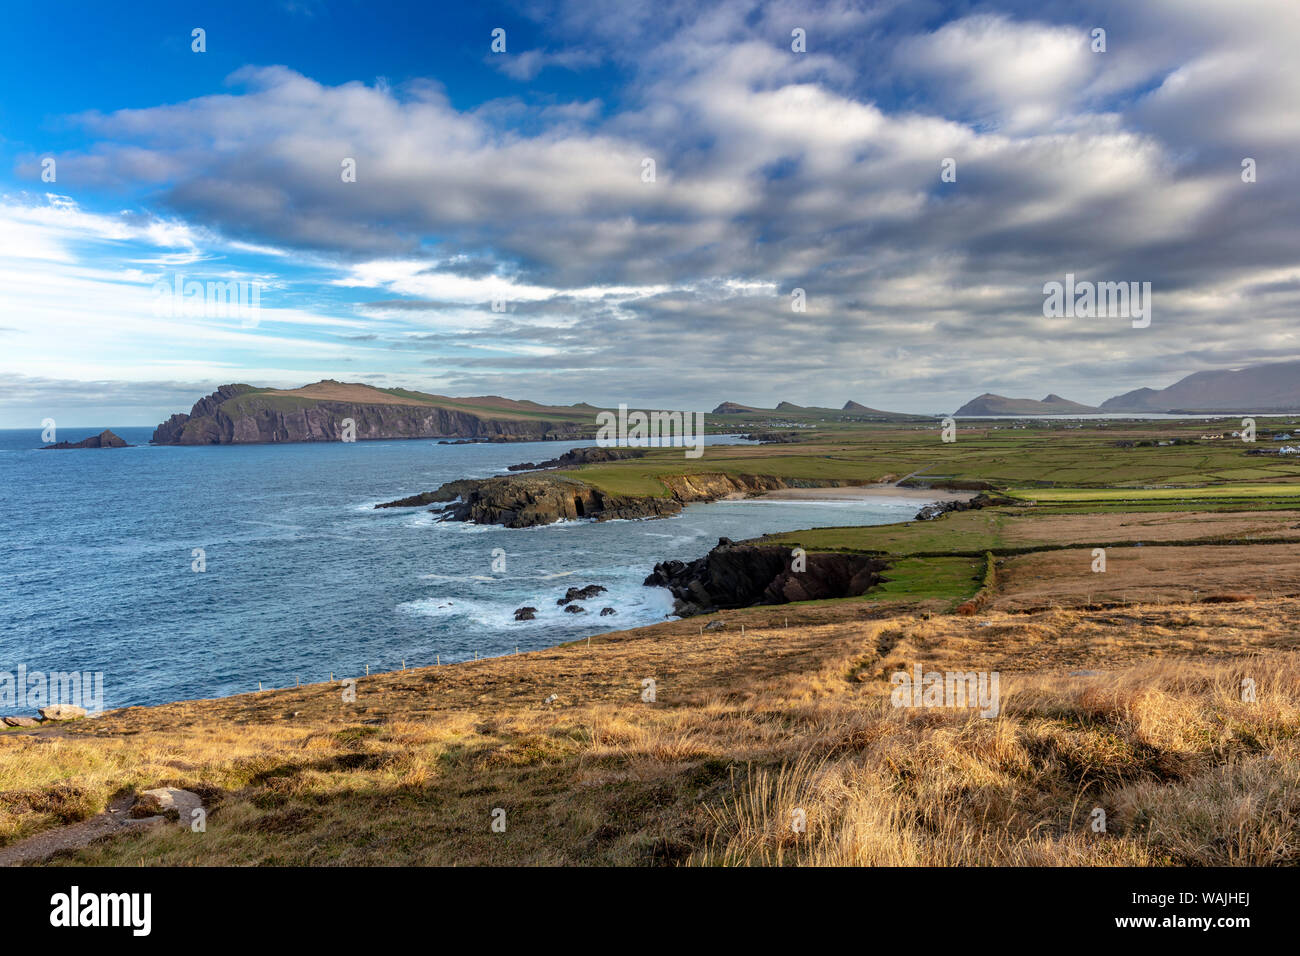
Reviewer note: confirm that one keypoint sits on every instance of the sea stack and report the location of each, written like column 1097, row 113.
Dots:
column 105, row 439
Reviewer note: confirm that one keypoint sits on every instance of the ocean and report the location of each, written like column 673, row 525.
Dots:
column 301, row 577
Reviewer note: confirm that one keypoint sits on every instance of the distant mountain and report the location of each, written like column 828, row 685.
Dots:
column 731, row 408
column 857, row 408
column 244, row 414
column 1261, row 388
column 989, row 404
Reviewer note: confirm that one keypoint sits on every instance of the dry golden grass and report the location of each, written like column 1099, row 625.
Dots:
column 744, row 731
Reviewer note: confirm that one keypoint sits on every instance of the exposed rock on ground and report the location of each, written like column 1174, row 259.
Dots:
column 61, row 712
column 740, row 575
column 105, row 439
column 21, row 722
column 170, row 802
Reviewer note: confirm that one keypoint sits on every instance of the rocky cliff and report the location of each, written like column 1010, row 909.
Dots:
column 740, row 575
column 242, row 414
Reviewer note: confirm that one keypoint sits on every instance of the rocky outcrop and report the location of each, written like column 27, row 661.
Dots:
column 105, row 439
column 581, row 594
column 61, row 712
column 242, row 414
column 581, row 456
column 525, row 501
column 171, row 432
column 446, row 492
column 740, row 575
column 525, row 613
column 171, row 802
column 940, row 508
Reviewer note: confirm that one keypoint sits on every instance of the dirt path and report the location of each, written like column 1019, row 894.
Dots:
column 112, row 822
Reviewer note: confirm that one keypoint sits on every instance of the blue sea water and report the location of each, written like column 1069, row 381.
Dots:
column 303, row 576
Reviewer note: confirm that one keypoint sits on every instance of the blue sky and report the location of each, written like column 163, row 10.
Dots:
column 518, row 177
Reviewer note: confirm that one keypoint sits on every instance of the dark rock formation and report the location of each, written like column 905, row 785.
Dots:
column 939, row 508
column 447, row 492
column 105, row 439
column 581, row 594
column 607, row 611
column 204, row 432
column 740, row 575
column 575, row 609
column 581, row 456
column 525, row 613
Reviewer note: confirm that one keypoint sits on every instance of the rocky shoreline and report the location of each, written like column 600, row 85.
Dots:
column 526, row 501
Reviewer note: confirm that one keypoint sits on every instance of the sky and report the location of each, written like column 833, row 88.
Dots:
column 412, row 208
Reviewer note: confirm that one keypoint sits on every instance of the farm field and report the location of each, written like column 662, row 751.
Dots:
column 1029, row 461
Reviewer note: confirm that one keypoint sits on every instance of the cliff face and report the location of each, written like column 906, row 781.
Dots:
column 217, row 420
column 740, row 575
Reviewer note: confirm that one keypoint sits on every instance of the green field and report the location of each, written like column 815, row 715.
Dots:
column 1243, row 492
column 918, row 579
column 1031, row 459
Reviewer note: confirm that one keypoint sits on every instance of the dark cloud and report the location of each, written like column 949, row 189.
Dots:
column 777, row 171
